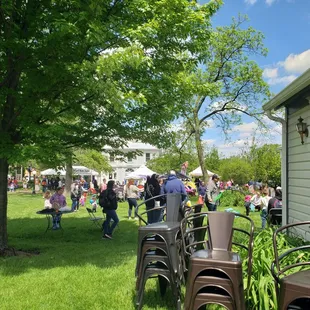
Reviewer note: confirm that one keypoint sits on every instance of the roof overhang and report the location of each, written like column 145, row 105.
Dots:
column 292, row 89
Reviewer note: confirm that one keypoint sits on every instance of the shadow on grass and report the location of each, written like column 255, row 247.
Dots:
column 79, row 244
column 152, row 297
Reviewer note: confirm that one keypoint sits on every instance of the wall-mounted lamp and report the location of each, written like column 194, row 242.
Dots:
column 302, row 129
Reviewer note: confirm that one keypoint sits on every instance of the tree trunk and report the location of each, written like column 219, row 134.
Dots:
column 68, row 176
column 4, row 167
column 201, row 157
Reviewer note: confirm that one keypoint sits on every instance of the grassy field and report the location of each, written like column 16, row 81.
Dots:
column 75, row 269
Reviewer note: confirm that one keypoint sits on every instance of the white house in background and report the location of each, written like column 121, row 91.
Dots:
column 123, row 168
column 295, row 98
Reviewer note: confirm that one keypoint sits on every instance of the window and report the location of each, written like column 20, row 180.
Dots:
column 147, row 156
column 128, row 171
column 115, row 175
column 112, row 157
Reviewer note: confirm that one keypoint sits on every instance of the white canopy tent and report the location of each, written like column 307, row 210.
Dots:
column 141, row 173
column 77, row 170
column 49, row 172
column 198, row 172
column 82, row 170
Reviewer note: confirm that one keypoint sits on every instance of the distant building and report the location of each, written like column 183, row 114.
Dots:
column 122, row 168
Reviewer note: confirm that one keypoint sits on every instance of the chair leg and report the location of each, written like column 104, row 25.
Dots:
column 140, row 292
column 162, row 281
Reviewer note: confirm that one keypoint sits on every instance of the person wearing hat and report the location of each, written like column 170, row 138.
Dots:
column 211, row 193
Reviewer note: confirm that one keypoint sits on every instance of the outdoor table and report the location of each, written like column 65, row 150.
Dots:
column 49, row 216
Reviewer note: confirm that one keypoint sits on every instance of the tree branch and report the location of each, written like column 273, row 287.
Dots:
column 225, row 104
column 183, row 144
column 67, row 108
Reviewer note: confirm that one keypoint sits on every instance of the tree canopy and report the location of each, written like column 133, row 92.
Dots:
column 227, row 84
column 91, row 73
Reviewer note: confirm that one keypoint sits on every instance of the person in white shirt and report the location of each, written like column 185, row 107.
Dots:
column 264, row 213
column 132, row 194
column 256, row 200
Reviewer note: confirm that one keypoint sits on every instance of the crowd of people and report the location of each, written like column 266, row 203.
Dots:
column 12, row 184
column 259, row 197
column 106, row 195
column 263, row 200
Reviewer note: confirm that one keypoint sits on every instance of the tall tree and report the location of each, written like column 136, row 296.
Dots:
column 227, row 85
column 266, row 163
column 91, row 73
column 93, row 159
column 172, row 161
column 212, row 160
column 236, row 168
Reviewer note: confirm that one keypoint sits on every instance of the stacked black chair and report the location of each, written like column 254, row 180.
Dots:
column 275, row 217
column 292, row 280
column 160, row 249
column 214, row 270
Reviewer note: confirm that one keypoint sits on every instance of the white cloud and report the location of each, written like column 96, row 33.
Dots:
column 269, row 2
column 286, row 71
column 250, row 2
column 209, row 123
column 246, row 129
column 297, row 63
column 208, row 142
column 270, row 73
column 284, row 80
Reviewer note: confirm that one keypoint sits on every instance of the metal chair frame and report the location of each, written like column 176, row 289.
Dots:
column 275, row 215
column 277, row 271
column 95, row 219
column 191, row 228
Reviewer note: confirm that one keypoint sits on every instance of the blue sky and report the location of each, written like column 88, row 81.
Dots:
column 286, row 26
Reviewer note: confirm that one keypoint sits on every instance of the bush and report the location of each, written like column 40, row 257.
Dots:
column 232, row 199
column 262, row 294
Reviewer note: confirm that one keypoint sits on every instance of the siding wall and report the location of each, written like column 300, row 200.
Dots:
column 299, row 173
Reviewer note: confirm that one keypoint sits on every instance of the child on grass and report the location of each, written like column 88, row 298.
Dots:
column 247, row 204
column 47, row 197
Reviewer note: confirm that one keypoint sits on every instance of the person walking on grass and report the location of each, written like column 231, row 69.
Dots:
column 75, row 195
column 132, row 194
column 108, row 202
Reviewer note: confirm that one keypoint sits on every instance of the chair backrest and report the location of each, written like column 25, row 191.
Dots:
column 275, row 216
column 196, row 227
column 277, row 268
column 243, row 239
column 142, row 215
column 212, row 230
column 173, row 208
column 173, row 203
column 90, row 212
column 220, row 230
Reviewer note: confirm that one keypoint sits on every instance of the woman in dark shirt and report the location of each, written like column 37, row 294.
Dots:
column 108, row 201
column 152, row 189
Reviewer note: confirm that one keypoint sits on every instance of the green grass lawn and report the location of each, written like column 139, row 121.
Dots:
column 75, row 269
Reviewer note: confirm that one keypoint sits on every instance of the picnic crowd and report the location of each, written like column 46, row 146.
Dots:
column 258, row 197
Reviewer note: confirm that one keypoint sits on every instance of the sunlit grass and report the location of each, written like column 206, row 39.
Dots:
column 75, row 269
